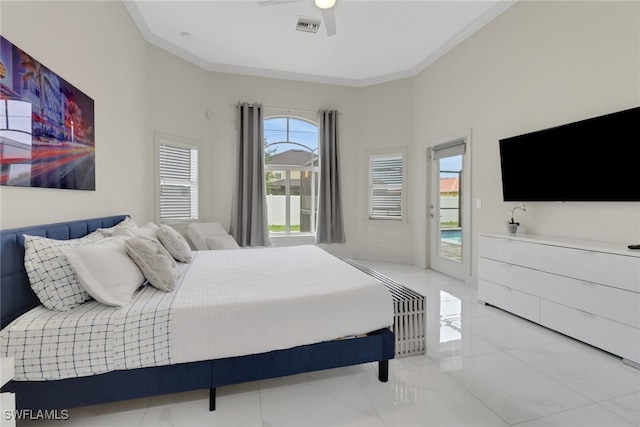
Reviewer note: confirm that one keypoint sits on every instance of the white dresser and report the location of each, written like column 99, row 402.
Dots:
column 7, row 400
column 586, row 290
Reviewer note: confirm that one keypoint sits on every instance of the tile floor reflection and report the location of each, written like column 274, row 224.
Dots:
column 483, row 367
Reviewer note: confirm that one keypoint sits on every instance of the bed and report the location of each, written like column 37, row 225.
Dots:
column 202, row 366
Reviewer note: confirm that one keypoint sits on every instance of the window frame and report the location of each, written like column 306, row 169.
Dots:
column 179, row 142
column 287, row 169
column 373, row 155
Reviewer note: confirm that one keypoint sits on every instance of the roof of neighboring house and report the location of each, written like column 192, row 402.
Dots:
column 293, row 157
column 449, row 185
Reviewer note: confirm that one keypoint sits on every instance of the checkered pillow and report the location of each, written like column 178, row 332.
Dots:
column 51, row 276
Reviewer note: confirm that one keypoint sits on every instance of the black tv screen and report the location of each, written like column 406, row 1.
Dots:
column 597, row 159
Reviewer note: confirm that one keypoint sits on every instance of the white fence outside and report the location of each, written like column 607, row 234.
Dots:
column 277, row 208
column 449, row 215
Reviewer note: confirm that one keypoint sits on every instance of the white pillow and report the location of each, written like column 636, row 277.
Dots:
column 122, row 225
column 221, row 242
column 149, row 230
column 175, row 243
column 106, row 271
column 157, row 265
column 198, row 230
column 50, row 274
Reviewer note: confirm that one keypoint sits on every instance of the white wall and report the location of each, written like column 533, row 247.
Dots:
column 386, row 123
column 96, row 47
column 537, row 65
column 139, row 89
column 179, row 94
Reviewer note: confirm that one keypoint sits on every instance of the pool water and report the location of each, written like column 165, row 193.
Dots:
column 451, row 236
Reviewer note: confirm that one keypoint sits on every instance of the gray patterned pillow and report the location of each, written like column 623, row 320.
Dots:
column 149, row 230
column 51, row 276
column 175, row 243
column 157, row 265
column 122, row 225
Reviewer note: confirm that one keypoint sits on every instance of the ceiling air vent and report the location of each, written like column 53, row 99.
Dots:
column 308, row 25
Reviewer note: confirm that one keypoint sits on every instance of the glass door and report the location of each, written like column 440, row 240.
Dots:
column 448, row 214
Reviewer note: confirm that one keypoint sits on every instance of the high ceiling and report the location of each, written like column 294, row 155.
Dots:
column 375, row 41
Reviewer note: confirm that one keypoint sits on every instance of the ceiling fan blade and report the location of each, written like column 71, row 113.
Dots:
column 329, row 18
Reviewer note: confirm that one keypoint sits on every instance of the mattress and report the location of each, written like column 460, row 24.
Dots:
column 226, row 303
column 236, row 302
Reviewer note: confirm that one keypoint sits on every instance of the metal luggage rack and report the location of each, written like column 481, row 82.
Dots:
column 409, row 308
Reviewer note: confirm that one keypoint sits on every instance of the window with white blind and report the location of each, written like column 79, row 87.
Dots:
column 386, row 185
column 178, row 179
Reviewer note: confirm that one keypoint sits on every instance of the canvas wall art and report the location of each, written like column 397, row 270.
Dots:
column 47, row 136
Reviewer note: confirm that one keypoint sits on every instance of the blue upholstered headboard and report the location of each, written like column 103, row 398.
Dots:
column 16, row 296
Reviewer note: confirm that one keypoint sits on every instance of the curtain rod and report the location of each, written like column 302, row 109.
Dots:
column 290, row 109
column 298, row 109
column 302, row 110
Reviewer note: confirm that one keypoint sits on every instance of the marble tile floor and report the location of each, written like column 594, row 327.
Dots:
column 483, row 367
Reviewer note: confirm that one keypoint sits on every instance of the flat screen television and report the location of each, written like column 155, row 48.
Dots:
column 597, row 159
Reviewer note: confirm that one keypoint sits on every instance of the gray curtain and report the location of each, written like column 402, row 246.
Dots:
column 330, row 227
column 249, row 224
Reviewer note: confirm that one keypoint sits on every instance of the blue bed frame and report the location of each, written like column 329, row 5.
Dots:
column 16, row 298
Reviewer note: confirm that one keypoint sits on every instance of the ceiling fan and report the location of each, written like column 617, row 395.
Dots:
column 325, row 6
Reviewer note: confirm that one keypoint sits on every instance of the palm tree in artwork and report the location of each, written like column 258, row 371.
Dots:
column 38, row 73
column 89, row 133
column 74, row 119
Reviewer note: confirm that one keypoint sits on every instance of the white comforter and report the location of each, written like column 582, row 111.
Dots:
column 227, row 303
column 249, row 301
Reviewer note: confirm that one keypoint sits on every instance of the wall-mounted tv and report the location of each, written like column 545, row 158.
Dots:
column 597, row 159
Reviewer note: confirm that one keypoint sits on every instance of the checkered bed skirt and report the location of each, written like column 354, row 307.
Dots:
column 409, row 308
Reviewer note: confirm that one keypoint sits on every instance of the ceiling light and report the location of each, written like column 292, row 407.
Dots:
column 325, row 4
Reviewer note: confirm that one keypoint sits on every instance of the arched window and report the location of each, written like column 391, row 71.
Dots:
column 291, row 174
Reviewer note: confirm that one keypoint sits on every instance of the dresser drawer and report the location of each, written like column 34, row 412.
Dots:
column 509, row 251
column 516, row 302
column 511, row 275
column 614, row 337
column 604, row 301
column 600, row 267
